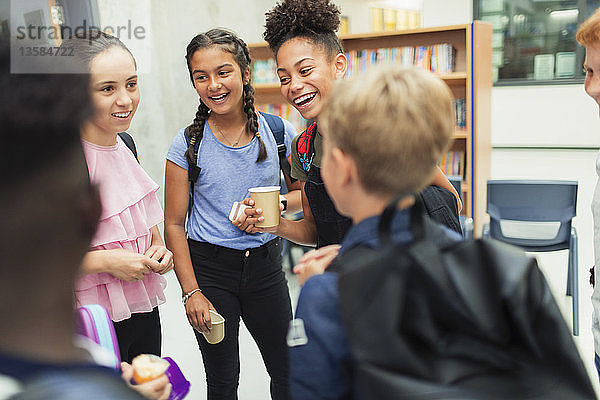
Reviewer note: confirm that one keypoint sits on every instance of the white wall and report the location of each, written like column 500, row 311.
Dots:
column 560, row 115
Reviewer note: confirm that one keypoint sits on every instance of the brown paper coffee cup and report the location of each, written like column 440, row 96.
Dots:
column 217, row 332
column 267, row 198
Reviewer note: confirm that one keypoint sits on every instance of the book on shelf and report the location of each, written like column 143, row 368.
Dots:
column 423, row 57
column 461, row 113
column 453, row 163
column 438, row 58
column 287, row 112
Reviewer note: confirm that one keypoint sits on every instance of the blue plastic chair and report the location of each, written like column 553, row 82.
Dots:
column 537, row 215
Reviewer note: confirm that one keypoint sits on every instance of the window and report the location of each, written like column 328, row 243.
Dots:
column 534, row 40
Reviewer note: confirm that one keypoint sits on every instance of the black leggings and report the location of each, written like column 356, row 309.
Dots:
column 139, row 334
column 248, row 284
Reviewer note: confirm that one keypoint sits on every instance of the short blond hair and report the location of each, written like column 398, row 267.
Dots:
column 588, row 33
column 395, row 123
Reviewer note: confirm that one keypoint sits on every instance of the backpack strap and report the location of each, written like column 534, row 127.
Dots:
column 277, row 128
column 305, row 146
column 193, row 170
column 129, row 142
column 276, row 125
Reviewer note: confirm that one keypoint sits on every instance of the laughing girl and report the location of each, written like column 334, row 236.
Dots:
column 219, row 266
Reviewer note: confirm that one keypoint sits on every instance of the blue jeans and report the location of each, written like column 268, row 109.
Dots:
column 597, row 362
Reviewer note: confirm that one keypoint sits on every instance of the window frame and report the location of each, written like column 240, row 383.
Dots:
column 578, row 79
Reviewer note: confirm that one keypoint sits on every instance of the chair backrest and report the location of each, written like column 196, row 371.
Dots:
column 533, row 213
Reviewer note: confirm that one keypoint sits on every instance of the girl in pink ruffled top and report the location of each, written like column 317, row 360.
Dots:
column 123, row 269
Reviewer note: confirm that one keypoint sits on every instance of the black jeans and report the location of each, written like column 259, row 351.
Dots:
column 140, row 334
column 248, row 284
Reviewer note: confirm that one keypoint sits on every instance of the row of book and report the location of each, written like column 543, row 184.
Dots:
column 461, row 113
column 453, row 163
column 438, row 58
column 285, row 111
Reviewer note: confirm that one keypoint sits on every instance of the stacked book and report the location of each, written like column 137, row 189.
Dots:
column 453, row 163
column 439, row 58
column 461, row 113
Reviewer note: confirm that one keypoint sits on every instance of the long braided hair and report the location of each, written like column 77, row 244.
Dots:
column 229, row 42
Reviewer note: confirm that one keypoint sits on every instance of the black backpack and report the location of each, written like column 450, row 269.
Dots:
column 461, row 320
column 128, row 140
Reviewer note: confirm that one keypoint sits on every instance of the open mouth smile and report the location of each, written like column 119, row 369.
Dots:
column 220, row 98
column 304, row 99
column 122, row 115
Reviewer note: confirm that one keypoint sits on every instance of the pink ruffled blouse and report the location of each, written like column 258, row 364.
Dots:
column 130, row 209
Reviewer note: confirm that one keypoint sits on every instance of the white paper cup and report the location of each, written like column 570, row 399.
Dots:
column 267, row 198
column 217, row 332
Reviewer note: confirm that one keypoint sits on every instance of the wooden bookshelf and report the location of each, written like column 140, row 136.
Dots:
column 471, row 80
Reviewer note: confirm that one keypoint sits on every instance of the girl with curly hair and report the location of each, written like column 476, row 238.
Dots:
column 310, row 59
column 220, row 267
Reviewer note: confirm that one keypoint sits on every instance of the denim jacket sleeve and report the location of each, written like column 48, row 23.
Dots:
column 321, row 368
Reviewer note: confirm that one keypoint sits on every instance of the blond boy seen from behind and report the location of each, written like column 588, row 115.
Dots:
column 383, row 135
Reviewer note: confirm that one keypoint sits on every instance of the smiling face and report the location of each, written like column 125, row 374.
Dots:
column 219, row 80
column 115, row 93
column 592, row 72
column 307, row 74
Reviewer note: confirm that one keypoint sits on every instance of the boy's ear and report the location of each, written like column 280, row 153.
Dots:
column 341, row 65
column 345, row 166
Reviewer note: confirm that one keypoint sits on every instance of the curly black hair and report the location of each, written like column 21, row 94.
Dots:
column 316, row 20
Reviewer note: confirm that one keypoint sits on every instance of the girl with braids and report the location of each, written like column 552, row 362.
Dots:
column 220, row 267
column 310, row 59
column 122, row 272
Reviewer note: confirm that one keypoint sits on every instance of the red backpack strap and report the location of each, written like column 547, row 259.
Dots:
column 305, row 146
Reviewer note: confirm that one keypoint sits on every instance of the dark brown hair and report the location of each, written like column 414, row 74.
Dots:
column 229, row 42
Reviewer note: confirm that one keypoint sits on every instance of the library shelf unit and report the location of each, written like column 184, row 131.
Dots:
column 470, row 79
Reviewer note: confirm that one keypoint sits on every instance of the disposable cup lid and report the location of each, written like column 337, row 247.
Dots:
column 264, row 189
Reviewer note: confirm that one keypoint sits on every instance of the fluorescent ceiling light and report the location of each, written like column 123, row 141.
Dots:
column 565, row 13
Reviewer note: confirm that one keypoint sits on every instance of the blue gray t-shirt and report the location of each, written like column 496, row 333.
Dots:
column 226, row 175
